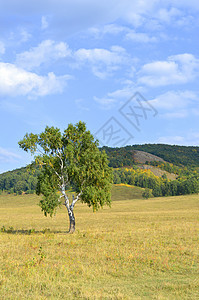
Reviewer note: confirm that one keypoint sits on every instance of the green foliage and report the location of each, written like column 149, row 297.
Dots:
column 19, row 180
column 181, row 160
column 45, row 186
column 160, row 186
column 177, row 155
column 147, row 194
column 69, row 158
column 119, row 157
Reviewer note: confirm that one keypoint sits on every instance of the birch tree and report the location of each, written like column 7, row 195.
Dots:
column 71, row 158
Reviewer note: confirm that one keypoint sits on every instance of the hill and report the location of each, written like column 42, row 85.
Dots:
column 158, row 172
column 177, row 155
column 143, row 157
column 125, row 192
column 162, row 161
column 18, row 181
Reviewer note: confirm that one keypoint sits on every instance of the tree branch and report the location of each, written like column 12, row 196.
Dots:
column 75, row 200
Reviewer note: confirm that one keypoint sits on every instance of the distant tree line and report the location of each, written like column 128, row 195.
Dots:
column 183, row 156
column 119, row 157
column 171, row 168
column 182, row 161
column 177, row 155
column 160, row 186
column 19, row 181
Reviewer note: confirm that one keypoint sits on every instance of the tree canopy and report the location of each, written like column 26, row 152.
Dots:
column 71, row 158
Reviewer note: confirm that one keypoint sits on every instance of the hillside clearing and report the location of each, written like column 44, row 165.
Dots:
column 158, row 172
column 142, row 157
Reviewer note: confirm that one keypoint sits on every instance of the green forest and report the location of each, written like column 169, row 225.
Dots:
column 179, row 160
column 177, row 155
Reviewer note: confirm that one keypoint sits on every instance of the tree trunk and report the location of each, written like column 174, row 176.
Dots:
column 72, row 220
column 70, row 209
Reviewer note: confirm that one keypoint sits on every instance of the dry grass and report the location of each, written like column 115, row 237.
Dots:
column 138, row 249
column 124, row 192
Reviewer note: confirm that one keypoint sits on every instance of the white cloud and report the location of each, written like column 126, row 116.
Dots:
column 129, row 34
column 168, row 15
column 105, row 103
column 178, row 69
column 135, row 11
column 173, row 100
column 171, row 12
column 45, row 52
column 176, row 104
column 102, row 61
column 140, row 37
column 15, row 81
column 71, row 16
column 118, row 96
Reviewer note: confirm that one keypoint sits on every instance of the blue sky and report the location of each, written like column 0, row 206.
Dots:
column 129, row 69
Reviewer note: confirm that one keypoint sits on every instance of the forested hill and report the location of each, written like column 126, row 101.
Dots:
column 158, row 155
column 178, row 155
column 19, row 181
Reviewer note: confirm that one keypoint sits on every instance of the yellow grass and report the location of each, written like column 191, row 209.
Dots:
column 123, row 184
column 138, row 249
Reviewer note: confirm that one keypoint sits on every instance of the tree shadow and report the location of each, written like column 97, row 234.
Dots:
column 32, row 231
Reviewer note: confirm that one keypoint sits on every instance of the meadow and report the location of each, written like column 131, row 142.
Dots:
column 137, row 249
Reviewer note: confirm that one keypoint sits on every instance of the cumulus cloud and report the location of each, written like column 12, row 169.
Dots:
column 168, row 15
column 117, row 96
column 129, row 34
column 175, row 104
column 178, row 69
column 70, row 16
column 15, row 81
column 46, row 51
column 173, row 100
column 102, row 61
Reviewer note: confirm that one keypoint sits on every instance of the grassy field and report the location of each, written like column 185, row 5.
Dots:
column 138, row 249
column 126, row 192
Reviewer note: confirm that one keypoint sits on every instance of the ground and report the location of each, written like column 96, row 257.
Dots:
column 138, row 249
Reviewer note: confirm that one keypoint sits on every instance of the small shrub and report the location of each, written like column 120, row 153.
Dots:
column 30, row 231
column 3, row 229
column 46, row 230
column 10, row 229
column 147, row 194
